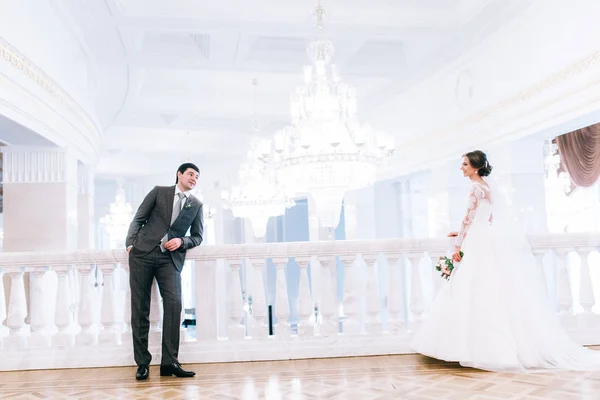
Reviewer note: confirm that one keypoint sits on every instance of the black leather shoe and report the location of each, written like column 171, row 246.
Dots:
column 142, row 372
column 175, row 369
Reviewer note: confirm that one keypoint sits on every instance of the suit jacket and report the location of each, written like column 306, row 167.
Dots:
column 153, row 219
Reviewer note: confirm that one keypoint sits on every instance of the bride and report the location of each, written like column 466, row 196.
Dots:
column 494, row 314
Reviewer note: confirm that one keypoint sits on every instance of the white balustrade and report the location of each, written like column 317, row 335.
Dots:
column 385, row 296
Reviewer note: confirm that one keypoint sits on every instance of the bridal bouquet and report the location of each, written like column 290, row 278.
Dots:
column 446, row 266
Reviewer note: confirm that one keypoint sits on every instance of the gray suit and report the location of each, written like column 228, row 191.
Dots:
column 146, row 262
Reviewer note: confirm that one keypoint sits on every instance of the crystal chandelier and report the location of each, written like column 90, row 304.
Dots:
column 117, row 221
column 257, row 197
column 326, row 151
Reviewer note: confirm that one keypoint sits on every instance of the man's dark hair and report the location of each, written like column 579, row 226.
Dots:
column 184, row 167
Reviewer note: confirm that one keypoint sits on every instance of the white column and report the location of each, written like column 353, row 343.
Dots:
column 40, row 199
column 85, row 207
column 359, row 212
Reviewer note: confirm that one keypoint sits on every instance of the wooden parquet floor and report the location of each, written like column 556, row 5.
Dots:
column 363, row 378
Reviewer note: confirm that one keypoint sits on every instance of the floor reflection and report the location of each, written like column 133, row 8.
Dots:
column 384, row 377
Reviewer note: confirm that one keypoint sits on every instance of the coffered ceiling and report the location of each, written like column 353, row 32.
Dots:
column 191, row 63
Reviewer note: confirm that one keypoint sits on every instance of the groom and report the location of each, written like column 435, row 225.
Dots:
column 156, row 243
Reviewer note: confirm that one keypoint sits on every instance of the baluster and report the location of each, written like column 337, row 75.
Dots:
column 586, row 291
column 596, row 289
column 3, row 329
column 317, row 294
column 74, row 281
column 282, row 305
column 329, row 307
column 17, row 312
column 304, row 303
column 416, row 296
column 109, row 334
column 236, row 330
column 396, row 296
column 63, row 314
column 565, row 298
column 259, row 303
column 351, row 300
column 85, row 317
column 37, row 323
column 373, row 296
column 156, row 315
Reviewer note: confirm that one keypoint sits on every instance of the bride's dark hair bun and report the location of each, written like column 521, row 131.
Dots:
column 478, row 160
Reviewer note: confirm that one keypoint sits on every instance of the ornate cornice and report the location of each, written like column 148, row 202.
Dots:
column 39, row 77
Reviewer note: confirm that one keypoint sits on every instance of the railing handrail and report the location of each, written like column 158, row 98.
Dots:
column 301, row 250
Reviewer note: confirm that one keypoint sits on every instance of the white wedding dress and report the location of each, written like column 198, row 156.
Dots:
column 494, row 313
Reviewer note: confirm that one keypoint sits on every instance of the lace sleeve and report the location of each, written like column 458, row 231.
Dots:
column 473, row 202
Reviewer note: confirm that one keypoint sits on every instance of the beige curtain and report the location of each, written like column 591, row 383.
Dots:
column 580, row 154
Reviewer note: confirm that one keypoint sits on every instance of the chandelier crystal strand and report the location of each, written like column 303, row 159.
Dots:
column 326, row 151
column 258, row 196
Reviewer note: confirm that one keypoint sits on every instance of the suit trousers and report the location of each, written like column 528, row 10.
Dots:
column 143, row 268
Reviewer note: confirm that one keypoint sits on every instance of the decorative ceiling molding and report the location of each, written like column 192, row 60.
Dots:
column 61, row 124
column 38, row 76
column 524, row 95
column 508, row 126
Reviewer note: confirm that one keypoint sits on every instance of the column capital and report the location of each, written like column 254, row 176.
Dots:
column 23, row 164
